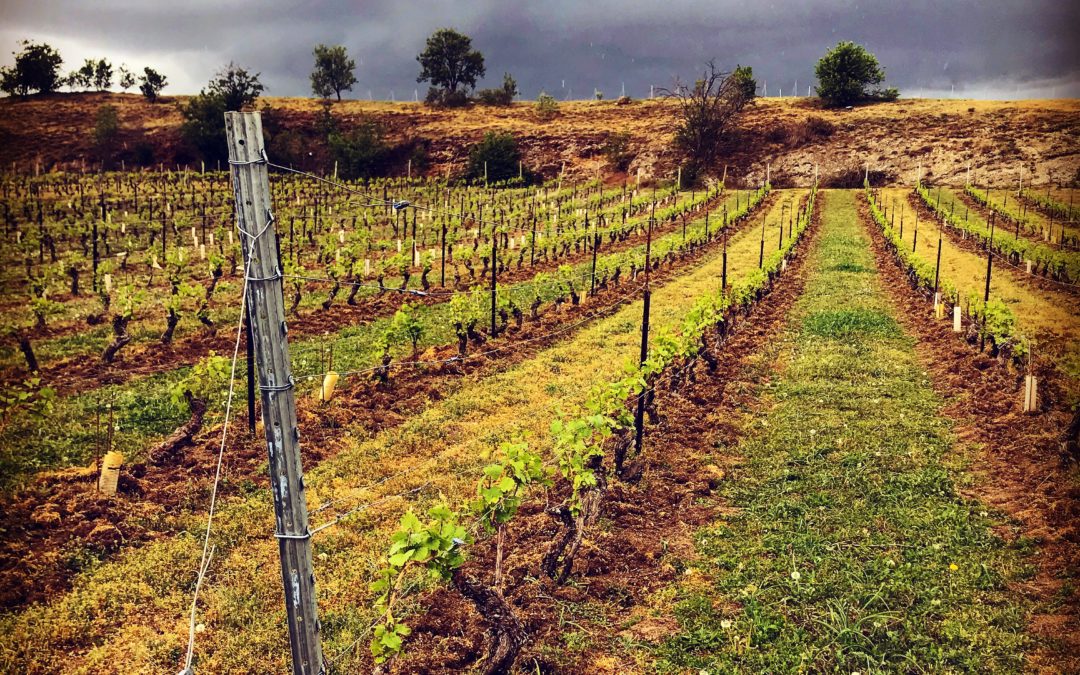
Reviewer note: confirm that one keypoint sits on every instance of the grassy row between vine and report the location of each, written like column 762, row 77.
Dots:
column 994, row 320
column 849, row 545
column 1058, row 265
column 1033, row 222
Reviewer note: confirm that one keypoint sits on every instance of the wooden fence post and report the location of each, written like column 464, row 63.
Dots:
column 266, row 311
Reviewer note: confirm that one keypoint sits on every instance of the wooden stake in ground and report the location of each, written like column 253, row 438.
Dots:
column 265, row 306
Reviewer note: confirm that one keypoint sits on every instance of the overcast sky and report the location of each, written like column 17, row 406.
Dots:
column 975, row 48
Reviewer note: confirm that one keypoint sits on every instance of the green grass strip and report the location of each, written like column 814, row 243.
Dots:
column 851, row 548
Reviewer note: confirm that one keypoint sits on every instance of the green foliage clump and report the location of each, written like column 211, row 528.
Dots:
column 744, row 80
column 406, row 325
column 92, row 75
column 26, row 399
column 435, row 546
column 500, row 491
column 844, row 74
column 151, row 83
column 236, row 87
column 499, row 153
column 106, row 129
column 502, row 96
column 450, row 64
column 203, row 128
column 127, row 78
column 205, row 381
column 360, row 152
column 617, row 151
column 546, row 106
column 37, row 68
column 333, row 72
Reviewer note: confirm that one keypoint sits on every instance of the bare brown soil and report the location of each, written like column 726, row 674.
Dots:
column 45, row 525
column 794, row 135
column 647, row 526
column 1017, row 458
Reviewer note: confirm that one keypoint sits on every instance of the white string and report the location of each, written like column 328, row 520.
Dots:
column 207, row 551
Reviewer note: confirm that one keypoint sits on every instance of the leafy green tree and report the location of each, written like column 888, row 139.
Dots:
column 744, row 80
column 845, row 73
column 127, row 78
column 37, row 68
column 203, row 127
column 151, row 83
column 449, row 63
column 333, row 72
column 103, row 75
column 236, row 87
column 83, row 78
column 498, row 152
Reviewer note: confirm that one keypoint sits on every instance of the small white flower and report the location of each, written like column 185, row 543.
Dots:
column 795, row 575
column 725, row 624
column 200, row 628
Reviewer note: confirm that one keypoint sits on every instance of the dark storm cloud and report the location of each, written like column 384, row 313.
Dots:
column 989, row 49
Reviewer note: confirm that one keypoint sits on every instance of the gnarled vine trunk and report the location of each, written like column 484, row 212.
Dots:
column 184, row 434
column 28, row 353
column 506, row 634
column 120, row 337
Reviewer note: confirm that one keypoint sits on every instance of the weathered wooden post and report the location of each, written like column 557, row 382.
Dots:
column 265, row 307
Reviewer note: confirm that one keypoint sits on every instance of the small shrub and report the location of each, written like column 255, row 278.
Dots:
column 361, row 152
column 503, row 96
column 106, row 127
column 499, row 153
column 445, row 98
column 143, row 153
column 818, row 126
column 795, row 134
column 617, row 151
column 420, row 157
column 546, row 106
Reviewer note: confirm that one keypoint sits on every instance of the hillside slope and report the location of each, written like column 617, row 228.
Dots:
column 941, row 136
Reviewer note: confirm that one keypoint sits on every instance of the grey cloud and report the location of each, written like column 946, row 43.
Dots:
column 993, row 48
